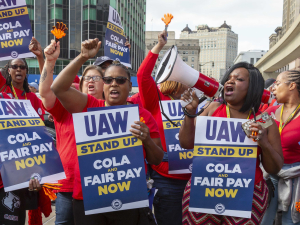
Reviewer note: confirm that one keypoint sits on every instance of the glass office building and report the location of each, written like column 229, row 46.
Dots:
column 86, row 19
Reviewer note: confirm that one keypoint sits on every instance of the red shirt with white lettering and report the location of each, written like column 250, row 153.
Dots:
column 35, row 101
column 150, row 101
column 221, row 112
column 6, row 97
column 147, row 119
column 290, row 138
column 65, row 143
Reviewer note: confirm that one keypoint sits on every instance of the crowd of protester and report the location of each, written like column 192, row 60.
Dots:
column 107, row 83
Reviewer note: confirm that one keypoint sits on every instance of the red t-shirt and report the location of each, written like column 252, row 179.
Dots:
column 7, row 97
column 35, row 101
column 221, row 112
column 65, row 143
column 147, row 119
column 150, row 101
column 135, row 99
column 290, row 139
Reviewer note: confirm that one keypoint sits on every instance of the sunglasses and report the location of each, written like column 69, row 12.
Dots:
column 119, row 80
column 94, row 78
column 22, row 67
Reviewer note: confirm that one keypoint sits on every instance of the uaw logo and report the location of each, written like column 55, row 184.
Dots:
column 116, row 204
column 191, row 167
column 11, row 201
column 36, row 176
column 220, row 208
column 14, row 54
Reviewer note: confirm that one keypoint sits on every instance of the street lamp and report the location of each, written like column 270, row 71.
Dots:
column 212, row 64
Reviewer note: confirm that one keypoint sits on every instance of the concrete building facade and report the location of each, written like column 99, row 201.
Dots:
column 218, row 45
column 251, row 56
column 86, row 19
column 188, row 49
column 291, row 10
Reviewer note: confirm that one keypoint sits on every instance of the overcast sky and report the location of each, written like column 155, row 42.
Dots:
column 253, row 20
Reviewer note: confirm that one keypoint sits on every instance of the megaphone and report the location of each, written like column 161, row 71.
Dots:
column 173, row 68
column 267, row 97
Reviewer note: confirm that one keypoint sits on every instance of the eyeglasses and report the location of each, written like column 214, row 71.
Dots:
column 94, row 78
column 119, row 80
column 22, row 67
column 277, row 83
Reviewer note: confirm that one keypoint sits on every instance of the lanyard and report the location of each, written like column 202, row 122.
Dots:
column 228, row 113
column 282, row 124
column 171, row 97
column 15, row 94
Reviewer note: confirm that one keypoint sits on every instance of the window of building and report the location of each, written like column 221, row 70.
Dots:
column 192, row 65
column 93, row 14
column 192, row 59
column 252, row 60
column 58, row 13
column 57, row 2
column 257, row 59
column 31, row 13
column 193, row 52
column 29, row 2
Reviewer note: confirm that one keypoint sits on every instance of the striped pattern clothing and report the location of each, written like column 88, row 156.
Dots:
column 259, row 206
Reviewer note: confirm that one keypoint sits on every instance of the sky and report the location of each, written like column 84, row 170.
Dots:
column 253, row 20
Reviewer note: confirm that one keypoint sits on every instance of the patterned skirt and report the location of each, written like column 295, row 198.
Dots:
column 259, row 206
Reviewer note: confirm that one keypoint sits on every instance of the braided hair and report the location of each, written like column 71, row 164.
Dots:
column 119, row 64
column 9, row 78
column 294, row 76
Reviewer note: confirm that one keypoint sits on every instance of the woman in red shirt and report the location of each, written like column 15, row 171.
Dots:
column 287, row 92
column 167, row 201
column 16, row 85
column 116, row 88
column 243, row 89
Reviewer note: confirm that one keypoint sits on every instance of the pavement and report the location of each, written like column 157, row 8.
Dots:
column 50, row 220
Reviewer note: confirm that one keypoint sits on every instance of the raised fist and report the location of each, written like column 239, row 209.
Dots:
column 167, row 18
column 35, row 47
column 89, row 48
column 52, row 51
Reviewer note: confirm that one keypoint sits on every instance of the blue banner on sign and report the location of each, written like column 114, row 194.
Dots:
column 180, row 159
column 26, row 149
column 224, row 167
column 16, row 32
column 115, row 39
column 111, row 161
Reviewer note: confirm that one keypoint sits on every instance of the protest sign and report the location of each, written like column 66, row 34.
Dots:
column 15, row 30
column 223, row 168
column 111, row 160
column 26, row 149
column 115, row 39
column 180, row 159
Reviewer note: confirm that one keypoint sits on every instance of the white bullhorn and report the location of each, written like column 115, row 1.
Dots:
column 173, row 68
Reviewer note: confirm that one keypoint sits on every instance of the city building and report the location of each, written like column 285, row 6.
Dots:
column 219, row 46
column 188, row 49
column 86, row 19
column 251, row 56
column 284, row 45
column 291, row 10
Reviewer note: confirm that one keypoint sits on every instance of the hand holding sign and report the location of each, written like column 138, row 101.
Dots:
column 89, row 48
column 140, row 131
column 261, row 133
column 52, row 51
column 35, row 47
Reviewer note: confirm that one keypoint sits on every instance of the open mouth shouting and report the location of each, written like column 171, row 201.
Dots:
column 114, row 93
column 229, row 90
